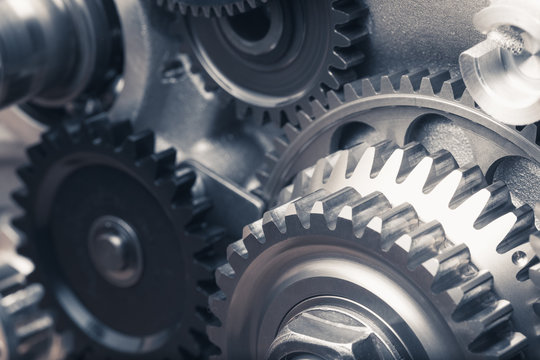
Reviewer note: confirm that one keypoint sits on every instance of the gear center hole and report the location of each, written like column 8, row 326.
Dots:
column 253, row 25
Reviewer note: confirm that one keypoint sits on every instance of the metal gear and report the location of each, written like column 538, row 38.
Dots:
column 119, row 240
column 26, row 331
column 383, row 223
column 432, row 108
column 274, row 59
column 210, row 8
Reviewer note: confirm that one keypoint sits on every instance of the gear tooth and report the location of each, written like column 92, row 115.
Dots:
column 369, row 88
column 303, row 207
column 26, row 174
column 509, row 347
column 280, row 145
column 413, row 154
column 433, row 83
column 207, row 11
column 270, row 160
column 426, row 243
column 452, row 89
column 291, row 132
column 397, row 222
column 467, row 100
column 453, row 268
column 20, row 223
column 530, row 132
column 390, row 83
column 349, row 36
column 217, row 303
column 346, row 58
column 318, row 109
column 347, row 11
column 350, row 91
column 521, row 230
column 253, row 245
column 274, row 224
column 382, row 152
column 301, row 184
column 165, row 163
column 498, row 204
column 304, row 120
column 341, row 167
column 365, row 210
column 286, row 194
column 443, row 164
column 237, row 256
column 472, row 295
column 36, row 153
column 332, row 204
column 411, row 81
column 140, row 145
column 472, row 180
column 179, row 187
column 230, row 9
column 333, row 99
column 20, row 197
column 322, row 170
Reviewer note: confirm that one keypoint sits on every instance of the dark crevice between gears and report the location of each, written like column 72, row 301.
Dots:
column 84, row 170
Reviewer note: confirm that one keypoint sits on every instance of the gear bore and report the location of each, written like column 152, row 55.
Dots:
column 277, row 57
column 119, row 241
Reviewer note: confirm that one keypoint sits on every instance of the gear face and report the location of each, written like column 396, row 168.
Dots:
column 119, row 241
column 26, row 330
column 383, row 219
column 431, row 108
column 210, row 8
column 274, row 59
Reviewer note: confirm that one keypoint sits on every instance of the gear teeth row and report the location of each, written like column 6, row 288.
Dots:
column 478, row 312
column 28, row 330
column 231, row 9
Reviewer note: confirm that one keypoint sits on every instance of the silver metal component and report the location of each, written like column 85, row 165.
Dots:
column 433, row 109
column 115, row 250
column 502, row 73
column 471, row 214
column 382, row 224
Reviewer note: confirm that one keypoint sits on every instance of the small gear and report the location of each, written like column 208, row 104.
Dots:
column 210, row 8
column 383, row 222
column 26, row 330
column 277, row 57
column 119, row 241
column 401, row 106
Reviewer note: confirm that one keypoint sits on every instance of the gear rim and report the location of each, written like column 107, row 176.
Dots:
column 116, row 144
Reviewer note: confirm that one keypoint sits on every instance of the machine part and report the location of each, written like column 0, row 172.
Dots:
column 503, row 72
column 431, row 108
column 381, row 224
column 209, row 8
column 58, row 55
column 26, row 331
column 534, row 271
column 277, row 57
column 120, row 241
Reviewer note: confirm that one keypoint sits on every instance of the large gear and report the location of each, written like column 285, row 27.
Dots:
column 395, row 213
column 119, row 241
column 26, row 331
column 274, row 59
column 400, row 106
column 210, row 7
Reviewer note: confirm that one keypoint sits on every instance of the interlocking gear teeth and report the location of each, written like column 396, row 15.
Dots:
column 134, row 151
column 460, row 199
column 221, row 9
column 478, row 315
column 430, row 91
column 28, row 330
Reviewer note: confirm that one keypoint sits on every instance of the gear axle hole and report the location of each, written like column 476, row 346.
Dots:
column 519, row 258
column 252, row 25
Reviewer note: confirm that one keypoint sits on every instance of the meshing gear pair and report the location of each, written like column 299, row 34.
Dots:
column 403, row 253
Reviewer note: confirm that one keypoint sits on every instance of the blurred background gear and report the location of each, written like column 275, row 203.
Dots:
column 503, row 72
column 273, row 59
column 365, row 227
column 59, row 56
column 119, row 241
column 210, row 7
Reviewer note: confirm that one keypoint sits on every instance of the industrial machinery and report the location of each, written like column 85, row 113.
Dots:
column 270, row 179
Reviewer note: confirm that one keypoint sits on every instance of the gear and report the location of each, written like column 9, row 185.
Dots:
column 274, row 59
column 26, row 330
column 431, row 108
column 119, row 240
column 210, row 8
column 382, row 223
